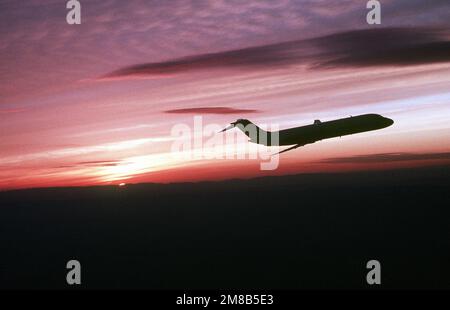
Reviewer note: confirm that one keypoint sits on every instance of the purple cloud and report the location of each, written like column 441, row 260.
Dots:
column 211, row 110
column 384, row 46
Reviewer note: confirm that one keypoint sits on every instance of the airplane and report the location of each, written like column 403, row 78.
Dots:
column 300, row 136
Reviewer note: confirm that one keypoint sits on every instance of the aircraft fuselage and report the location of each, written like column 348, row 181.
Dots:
column 325, row 130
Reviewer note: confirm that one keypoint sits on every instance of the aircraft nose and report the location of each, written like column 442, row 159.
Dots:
column 388, row 121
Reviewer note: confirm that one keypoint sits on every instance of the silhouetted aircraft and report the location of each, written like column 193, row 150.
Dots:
column 300, row 136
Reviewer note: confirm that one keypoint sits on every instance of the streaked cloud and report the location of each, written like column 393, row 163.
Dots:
column 384, row 46
column 9, row 111
column 211, row 110
column 96, row 163
column 261, row 56
column 369, row 47
column 388, row 158
column 77, row 151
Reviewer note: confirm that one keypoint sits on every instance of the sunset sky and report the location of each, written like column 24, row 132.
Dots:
column 95, row 104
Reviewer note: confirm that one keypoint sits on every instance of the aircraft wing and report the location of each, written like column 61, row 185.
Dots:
column 289, row 149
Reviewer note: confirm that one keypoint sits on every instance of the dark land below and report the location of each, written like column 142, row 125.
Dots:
column 308, row 231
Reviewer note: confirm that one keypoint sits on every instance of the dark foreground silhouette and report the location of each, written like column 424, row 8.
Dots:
column 294, row 232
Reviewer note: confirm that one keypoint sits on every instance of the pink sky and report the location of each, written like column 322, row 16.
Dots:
column 81, row 106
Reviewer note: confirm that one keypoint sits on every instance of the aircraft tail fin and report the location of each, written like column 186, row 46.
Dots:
column 251, row 130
